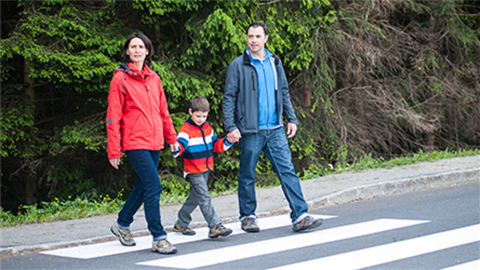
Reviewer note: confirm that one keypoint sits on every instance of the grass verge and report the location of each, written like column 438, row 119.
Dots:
column 178, row 192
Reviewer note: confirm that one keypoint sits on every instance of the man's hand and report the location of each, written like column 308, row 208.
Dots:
column 291, row 130
column 234, row 136
column 114, row 162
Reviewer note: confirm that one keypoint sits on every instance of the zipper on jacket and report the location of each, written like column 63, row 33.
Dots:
column 253, row 81
column 152, row 111
column 206, row 145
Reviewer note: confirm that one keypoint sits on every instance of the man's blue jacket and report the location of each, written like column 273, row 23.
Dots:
column 240, row 100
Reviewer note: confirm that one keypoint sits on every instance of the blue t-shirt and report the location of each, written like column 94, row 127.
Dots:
column 267, row 112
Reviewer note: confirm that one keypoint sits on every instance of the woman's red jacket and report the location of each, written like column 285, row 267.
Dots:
column 137, row 114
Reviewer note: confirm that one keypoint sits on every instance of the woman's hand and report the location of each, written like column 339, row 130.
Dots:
column 174, row 147
column 114, row 162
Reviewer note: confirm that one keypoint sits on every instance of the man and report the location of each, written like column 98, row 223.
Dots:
column 256, row 97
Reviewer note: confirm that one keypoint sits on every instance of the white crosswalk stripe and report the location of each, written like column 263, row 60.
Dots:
column 145, row 242
column 391, row 252
column 216, row 256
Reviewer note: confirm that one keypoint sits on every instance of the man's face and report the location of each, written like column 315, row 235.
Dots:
column 198, row 117
column 256, row 40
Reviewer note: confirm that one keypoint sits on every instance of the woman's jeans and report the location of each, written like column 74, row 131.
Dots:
column 147, row 191
column 198, row 196
column 275, row 146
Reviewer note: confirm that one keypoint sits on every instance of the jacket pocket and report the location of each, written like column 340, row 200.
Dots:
column 133, row 126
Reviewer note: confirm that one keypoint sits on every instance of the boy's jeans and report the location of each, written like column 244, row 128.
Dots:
column 147, row 190
column 198, row 196
column 275, row 146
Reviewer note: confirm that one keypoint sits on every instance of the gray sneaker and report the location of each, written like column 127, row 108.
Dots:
column 306, row 223
column 249, row 224
column 163, row 247
column 184, row 231
column 219, row 230
column 125, row 236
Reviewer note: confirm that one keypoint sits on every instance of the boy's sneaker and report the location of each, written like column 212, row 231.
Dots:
column 219, row 230
column 307, row 222
column 163, row 247
column 125, row 236
column 249, row 224
column 184, row 231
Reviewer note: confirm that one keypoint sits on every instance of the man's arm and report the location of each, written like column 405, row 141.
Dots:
column 229, row 103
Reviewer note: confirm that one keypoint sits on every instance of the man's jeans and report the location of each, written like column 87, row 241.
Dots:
column 275, row 146
column 198, row 196
column 147, row 190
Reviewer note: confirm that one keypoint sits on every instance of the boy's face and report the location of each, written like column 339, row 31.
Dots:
column 198, row 117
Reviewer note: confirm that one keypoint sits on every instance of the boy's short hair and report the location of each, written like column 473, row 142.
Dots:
column 199, row 103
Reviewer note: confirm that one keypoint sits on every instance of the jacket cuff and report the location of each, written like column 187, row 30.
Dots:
column 227, row 143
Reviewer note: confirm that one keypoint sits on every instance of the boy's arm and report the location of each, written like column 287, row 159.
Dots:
column 221, row 145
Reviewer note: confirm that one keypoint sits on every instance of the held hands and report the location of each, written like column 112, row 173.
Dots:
column 174, row 147
column 291, row 130
column 234, row 136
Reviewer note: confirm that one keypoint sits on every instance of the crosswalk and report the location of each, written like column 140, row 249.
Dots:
column 356, row 259
column 392, row 252
column 145, row 242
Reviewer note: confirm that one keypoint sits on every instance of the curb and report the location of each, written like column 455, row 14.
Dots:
column 361, row 193
column 394, row 187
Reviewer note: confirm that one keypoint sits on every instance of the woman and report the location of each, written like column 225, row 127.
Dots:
column 138, row 119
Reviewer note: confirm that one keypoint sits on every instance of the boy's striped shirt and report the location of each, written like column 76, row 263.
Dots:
column 197, row 144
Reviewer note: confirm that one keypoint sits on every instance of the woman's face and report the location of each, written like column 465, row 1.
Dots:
column 137, row 52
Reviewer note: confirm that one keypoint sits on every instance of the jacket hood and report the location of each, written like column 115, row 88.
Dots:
column 131, row 68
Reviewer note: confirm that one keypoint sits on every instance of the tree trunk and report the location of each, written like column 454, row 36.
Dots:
column 429, row 133
column 158, row 36
column 30, row 180
column 307, row 96
column 429, row 113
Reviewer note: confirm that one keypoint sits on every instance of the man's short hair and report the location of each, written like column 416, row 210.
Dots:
column 257, row 24
column 199, row 103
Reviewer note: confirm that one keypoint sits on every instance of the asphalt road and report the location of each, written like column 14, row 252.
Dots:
column 433, row 229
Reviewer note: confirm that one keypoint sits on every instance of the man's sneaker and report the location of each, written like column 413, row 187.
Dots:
column 249, row 224
column 124, row 235
column 219, row 230
column 307, row 222
column 163, row 247
column 184, row 231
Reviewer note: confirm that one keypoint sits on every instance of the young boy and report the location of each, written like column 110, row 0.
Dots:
column 197, row 143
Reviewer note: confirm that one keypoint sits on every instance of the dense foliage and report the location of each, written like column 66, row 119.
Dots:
column 379, row 77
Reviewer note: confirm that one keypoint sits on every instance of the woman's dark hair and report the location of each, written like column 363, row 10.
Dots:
column 148, row 46
column 257, row 24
